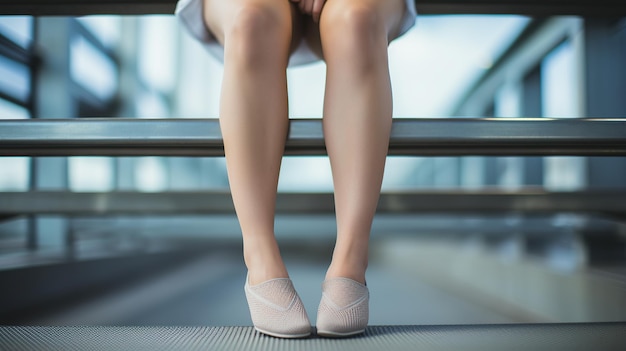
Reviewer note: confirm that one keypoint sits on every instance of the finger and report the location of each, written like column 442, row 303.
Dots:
column 317, row 9
column 310, row 5
column 306, row 6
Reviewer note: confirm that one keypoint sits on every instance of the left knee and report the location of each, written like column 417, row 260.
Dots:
column 353, row 28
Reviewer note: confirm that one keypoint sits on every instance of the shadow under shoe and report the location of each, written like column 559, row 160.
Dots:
column 276, row 309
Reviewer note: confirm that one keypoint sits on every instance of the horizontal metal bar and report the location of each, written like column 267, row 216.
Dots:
column 417, row 137
column 73, row 203
column 322, row 226
column 134, row 7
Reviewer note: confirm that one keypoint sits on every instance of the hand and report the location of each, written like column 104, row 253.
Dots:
column 311, row 7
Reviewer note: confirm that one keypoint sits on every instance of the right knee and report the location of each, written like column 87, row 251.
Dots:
column 259, row 33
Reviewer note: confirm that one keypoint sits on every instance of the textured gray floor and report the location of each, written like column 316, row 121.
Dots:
column 210, row 293
column 394, row 301
column 192, row 308
column 477, row 337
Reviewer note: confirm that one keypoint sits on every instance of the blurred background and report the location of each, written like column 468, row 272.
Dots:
column 425, row 269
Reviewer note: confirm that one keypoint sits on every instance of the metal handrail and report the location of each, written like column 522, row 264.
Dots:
column 415, row 137
column 518, row 7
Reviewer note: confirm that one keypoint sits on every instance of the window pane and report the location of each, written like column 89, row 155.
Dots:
column 560, row 82
column 106, row 28
column 91, row 69
column 18, row 29
column 433, row 64
column 151, row 174
column 151, row 105
column 91, row 173
column 157, row 52
column 14, row 173
column 14, row 79
column 10, row 110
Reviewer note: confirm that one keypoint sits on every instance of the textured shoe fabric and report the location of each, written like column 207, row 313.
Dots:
column 344, row 308
column 276, row 309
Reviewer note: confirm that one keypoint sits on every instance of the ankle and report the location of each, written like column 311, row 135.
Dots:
column 264, row 263
column 349, row 260
column 354, row 270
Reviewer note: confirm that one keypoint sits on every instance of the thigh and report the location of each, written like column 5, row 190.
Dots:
column 391, row 11
column 219, row 15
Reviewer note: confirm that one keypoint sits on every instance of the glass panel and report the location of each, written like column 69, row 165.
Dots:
column 91, row 69
column 432, row 64
column 151, row 105
column 157, row 48
column 151, row 174
column 560, row 82
column 107, row 29
column 311, row 173
column 508, row 101
column 91, row 173
column 14, row 79
column 565, row 173
column 199, row 81
column 19, row 29
column 559, row 86
column 10, row 110
column 430, row 67
column 306, row 90
column 14, row 173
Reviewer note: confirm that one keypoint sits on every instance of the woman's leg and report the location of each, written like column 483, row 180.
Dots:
column 357, row 118
column 258, row 36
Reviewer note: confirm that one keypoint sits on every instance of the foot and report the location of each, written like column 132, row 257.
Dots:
column 344, row 308
column 276, row 309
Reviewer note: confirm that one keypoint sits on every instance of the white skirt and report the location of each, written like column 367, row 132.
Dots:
column 190, row 13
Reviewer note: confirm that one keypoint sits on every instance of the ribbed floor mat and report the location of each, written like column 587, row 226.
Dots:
column 589, row 336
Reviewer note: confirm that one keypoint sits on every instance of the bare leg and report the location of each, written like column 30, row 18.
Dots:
column 357, row 119
column 258, row 36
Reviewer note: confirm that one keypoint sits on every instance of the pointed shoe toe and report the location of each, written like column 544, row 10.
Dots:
column 276, row 309
column 344, row 308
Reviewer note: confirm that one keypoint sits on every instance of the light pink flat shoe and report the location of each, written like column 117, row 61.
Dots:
column 344, row 308
column 276, row 309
